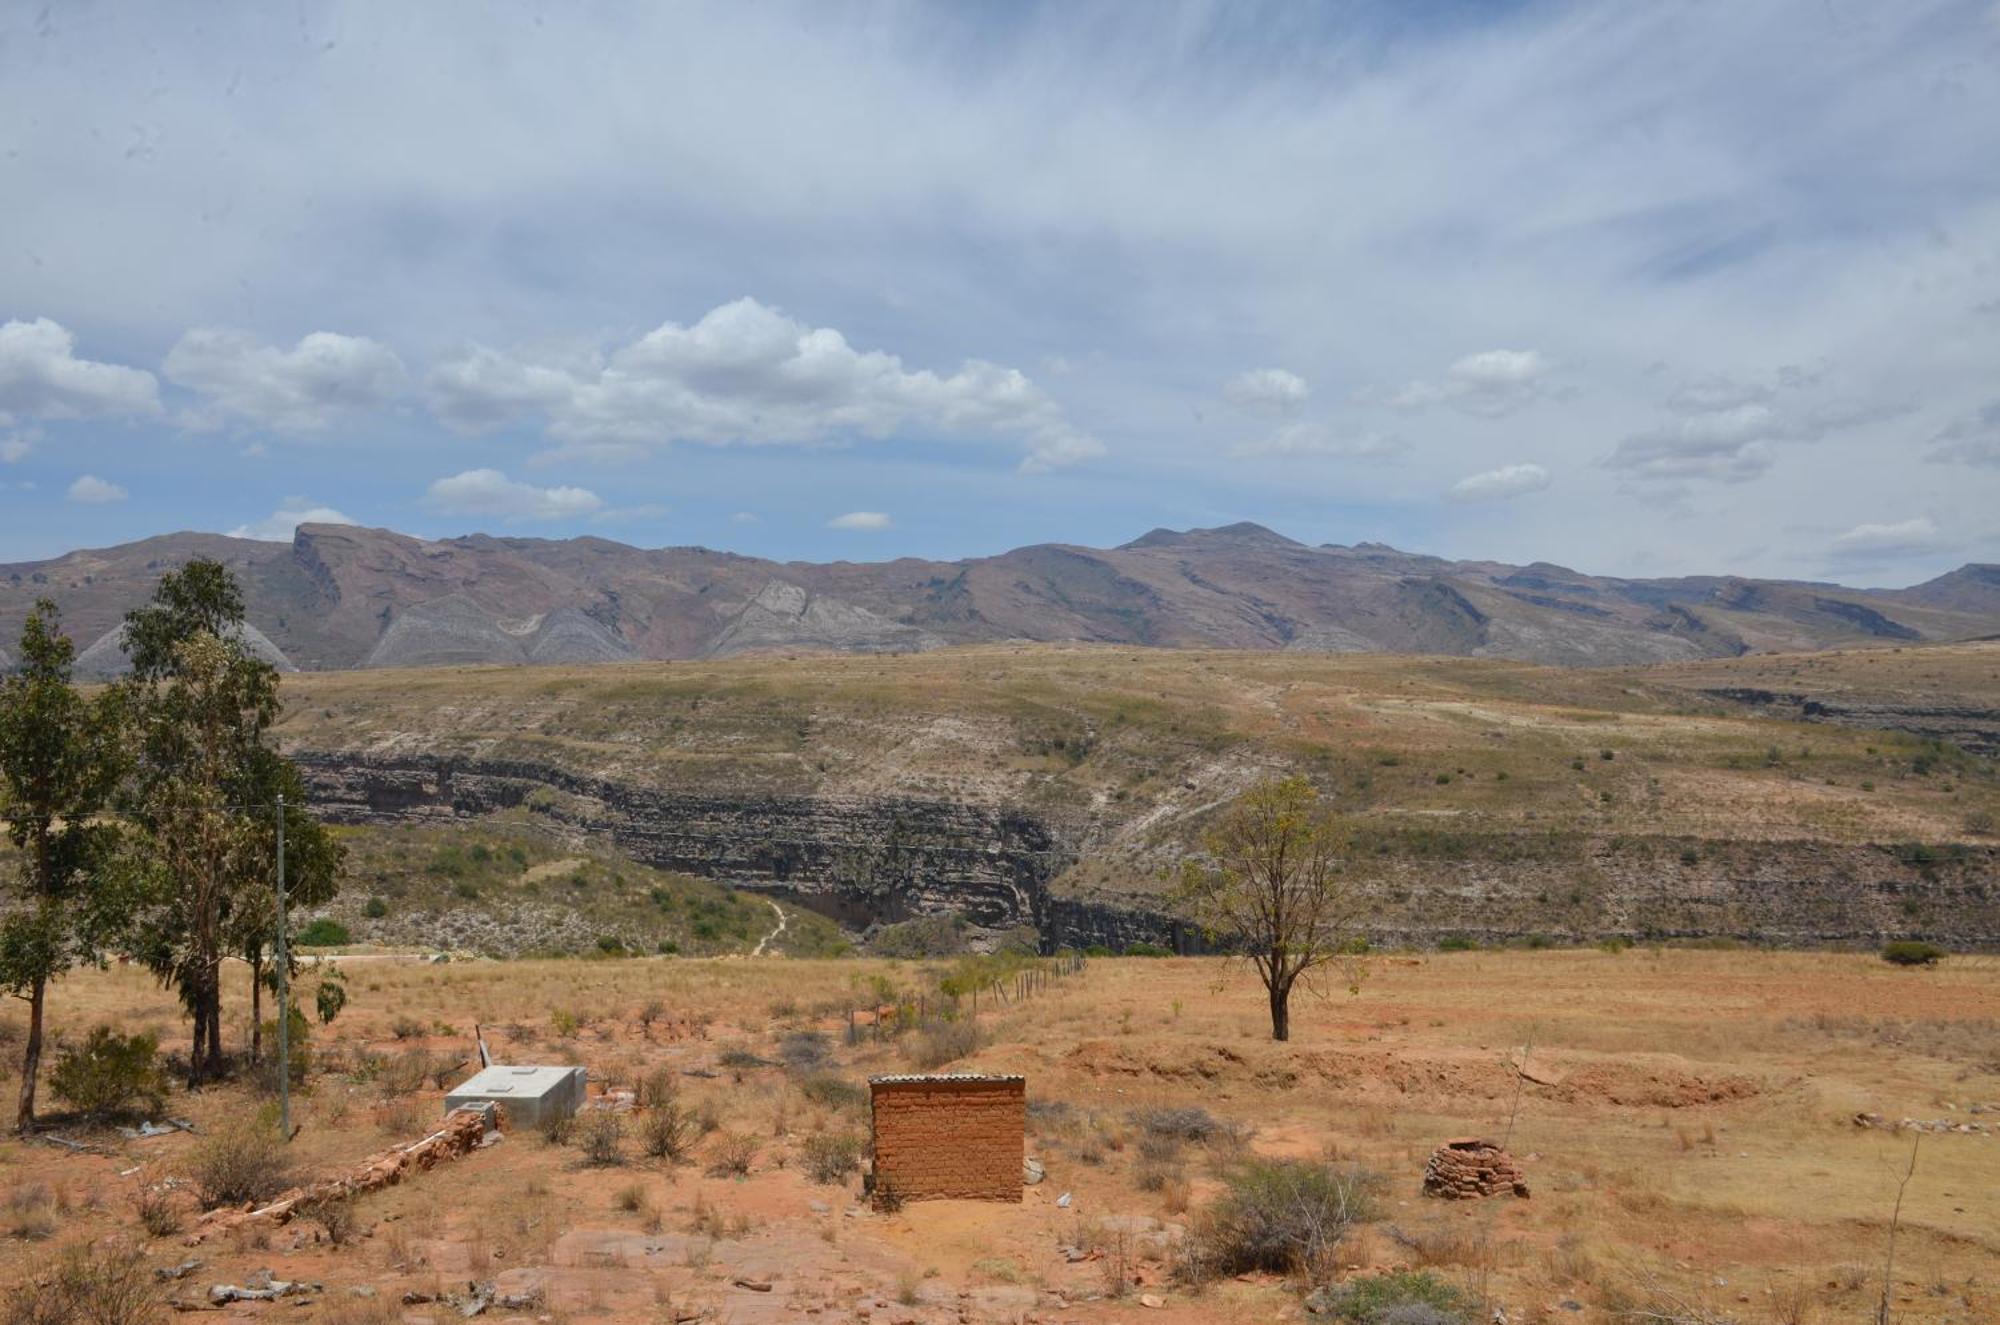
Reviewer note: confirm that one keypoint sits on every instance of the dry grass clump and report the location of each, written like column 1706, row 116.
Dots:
column 937, row 1043
column 1280, row 1216
column 90, row 1286
column 832, row 1092
column 1444, row 1242
column 159, row 1214
column 600, row 1136
column 731, row 1154
column 30, row 1213
column 241, row 1161
column 668, row 1131
column 804, row 1051
column 655, row 1088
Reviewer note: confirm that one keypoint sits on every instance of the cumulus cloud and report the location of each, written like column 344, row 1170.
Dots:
column 1266, row 391
column 1870, row 542
column 488, row 492
column 1302, row 440
column 749, row 374
column 41, row 377
column 91, row 490
column 866, row 521
column 1972, row 440
column 304, row 389
column 1487, row 385
column 281, row 524
column 1499, row 484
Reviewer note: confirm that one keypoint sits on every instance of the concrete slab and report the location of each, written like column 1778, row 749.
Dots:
column 526, row 1095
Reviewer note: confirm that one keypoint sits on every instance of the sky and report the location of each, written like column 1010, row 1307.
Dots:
column 1643, row 289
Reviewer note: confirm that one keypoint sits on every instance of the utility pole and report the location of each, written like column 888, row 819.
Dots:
column 284, row 1002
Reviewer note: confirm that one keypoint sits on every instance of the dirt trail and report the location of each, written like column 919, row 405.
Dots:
column 758, row 951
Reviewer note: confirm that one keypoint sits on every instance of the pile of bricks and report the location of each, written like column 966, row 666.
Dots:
column 461, row 1132
column 957, row 1136
column 1467, row 1168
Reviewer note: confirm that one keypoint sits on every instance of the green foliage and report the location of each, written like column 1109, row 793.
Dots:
column 109, row 1073
column 330, row 996
column 298, row 1050
column 375, row 909
column 924, row 936
column 1145, row 949
column 325, row 932
column 1912, row 952
column 832, row 1092
column 1458, row 943
column 1401, row 1297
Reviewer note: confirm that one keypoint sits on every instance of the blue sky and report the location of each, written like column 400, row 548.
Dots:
column 1645, row 289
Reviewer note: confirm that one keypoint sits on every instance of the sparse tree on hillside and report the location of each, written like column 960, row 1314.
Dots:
column 204, row 798
column 1272, row 889
column 59, row 763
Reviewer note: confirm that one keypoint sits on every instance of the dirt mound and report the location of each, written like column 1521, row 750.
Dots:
column 1653, row 1081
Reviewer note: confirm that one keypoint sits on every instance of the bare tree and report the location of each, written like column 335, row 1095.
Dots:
column 1273, row 890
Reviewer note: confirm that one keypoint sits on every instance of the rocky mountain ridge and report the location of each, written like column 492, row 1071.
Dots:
column 340, row 597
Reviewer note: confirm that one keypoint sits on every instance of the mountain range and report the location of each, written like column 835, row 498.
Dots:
column 340, row 596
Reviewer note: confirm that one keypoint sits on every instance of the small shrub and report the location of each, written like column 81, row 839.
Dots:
column 109, row 1073
column 829, row 1158
column 831, row 1092
column 1458, row 943
column 242, row 1161
column 408, row 1028
column 336, row 1219
column 741, row 1060
column 667, row 1131
column 601, row 1137
column 731, row 1155
column 90, row 1286
column 1403, row 1297
column 657, row 1087
column 1196, row 1125
column 941, row 1042
column 1284, row 1216
column 557, row 1129
column 1912, row 952
column 375, row 909
column 158, row 1213
column 324, row 932
column 30, row 1213
column 803, row 1051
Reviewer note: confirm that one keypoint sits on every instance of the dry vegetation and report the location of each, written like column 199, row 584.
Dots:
column 1685, row 1123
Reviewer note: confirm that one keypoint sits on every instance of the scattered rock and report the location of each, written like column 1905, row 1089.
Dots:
column 168, row 1273
column 754, row 1285
column 1151, row 1300
column 1032, row 1172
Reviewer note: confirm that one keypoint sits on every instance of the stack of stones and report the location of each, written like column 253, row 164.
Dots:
column 1467, row 1168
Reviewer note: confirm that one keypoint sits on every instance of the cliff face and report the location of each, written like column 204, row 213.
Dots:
column 863, row 860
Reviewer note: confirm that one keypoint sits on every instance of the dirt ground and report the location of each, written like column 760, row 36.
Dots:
column 1685, row 1121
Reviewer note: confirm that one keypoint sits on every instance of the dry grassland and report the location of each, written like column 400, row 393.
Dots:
column 1685, row 1122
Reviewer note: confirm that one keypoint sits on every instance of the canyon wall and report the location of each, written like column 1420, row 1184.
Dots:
column 866, row 860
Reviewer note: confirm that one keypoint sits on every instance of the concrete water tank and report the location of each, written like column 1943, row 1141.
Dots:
column 526, row 1095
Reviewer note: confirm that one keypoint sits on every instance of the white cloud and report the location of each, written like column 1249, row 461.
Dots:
column 488, row 492
column 1875, row 541
column 1972, row 440
column 13, row 450
column 1487, row 385
column 1266, row 391
column 281, row 524
column 41, row 377
column 749, row 374
column 744, row 517
column 867, row 521
column 91, row 490
column 325, row 377
column 1300, row 440
column 1499, row 484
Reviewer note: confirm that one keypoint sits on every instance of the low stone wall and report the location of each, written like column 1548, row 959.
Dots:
column 954, row 1136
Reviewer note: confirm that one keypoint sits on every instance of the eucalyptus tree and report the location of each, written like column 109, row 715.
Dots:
column 59, row 763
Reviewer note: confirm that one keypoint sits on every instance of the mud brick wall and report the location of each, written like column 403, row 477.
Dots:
column 944, row 1137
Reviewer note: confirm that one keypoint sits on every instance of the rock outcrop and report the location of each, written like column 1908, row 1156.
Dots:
column 784, row 616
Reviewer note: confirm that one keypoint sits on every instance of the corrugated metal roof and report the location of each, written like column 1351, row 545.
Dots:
column 901, row 1078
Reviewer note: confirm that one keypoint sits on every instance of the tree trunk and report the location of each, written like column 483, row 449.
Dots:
column 31, row 1058
column 1281, row 1010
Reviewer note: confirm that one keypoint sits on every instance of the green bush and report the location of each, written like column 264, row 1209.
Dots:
column 109, row 1073
column 324, row 932
column 1458, row 943
column 1912, row 952
column 1144, row 949
column 831, row 1092
column 1402, row 1297
column 375, row 909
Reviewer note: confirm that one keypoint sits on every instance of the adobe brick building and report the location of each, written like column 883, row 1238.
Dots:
column 958, row 1135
